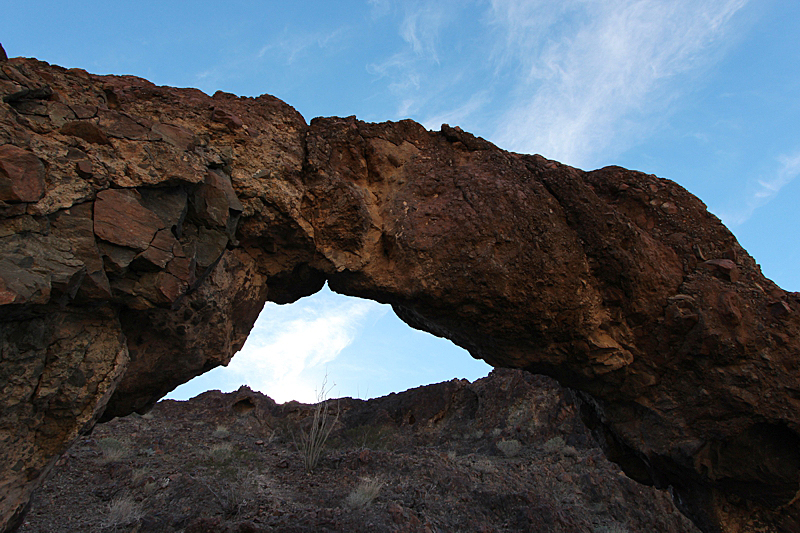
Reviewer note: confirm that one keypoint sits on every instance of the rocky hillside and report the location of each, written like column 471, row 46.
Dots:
column 506, row 453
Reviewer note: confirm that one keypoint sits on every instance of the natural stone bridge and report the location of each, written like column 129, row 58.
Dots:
column 142, row 228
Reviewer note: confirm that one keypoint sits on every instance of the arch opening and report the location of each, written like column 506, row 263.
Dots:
column 362, row 347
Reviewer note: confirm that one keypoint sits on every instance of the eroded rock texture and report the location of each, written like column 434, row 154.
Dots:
column 142, row 228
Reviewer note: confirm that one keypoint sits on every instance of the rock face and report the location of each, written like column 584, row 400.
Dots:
column 142, row 228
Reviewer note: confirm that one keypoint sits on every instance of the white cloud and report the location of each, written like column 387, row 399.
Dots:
column 572, row 80
column 459, row 115
column 420, row 28
column 288, row 350
column 408, row 68
column 765, row 190
column 590, row 70
column 294, row 45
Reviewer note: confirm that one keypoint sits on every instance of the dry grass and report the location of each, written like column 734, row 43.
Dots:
column 221, row 432
column 366, row 491
column 123, row 511
column 113, row 449
column 220, row 453
column 233, row 496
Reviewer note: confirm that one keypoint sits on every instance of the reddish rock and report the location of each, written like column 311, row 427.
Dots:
column 21, row 175
column 231, row 121
column 178, row 137
column 724, row 268
column 160, row 250
column 84, row 111
column 85, row 130
column 120, row 125
column 120, row 218
column 84, row 168
column 779, row 309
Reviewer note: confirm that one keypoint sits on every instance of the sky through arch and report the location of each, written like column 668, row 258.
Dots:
column 362, row 347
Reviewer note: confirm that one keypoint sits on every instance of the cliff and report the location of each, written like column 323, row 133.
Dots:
column 142, row 228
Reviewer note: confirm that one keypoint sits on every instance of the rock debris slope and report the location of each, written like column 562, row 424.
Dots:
column 505, row 454
column 142, row 228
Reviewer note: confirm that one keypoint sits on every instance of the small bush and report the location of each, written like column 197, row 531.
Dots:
column 366, row 491
column 113, row 449
column 221, row 432
column 123, row 511
column 554, row 445
column 221, row 453
column 510, row 448
column 231, row 495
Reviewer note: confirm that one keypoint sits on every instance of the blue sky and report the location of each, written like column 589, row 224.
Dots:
column 703, row 92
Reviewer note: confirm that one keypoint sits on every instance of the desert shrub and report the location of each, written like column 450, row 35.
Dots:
column 232, row 495
column 123, row 511
column 113, row 449
column 138, row 475
column 221, row 432
column 557, row 445
column 554, row 445
column 221, row 453
column 311, row 441
column 510, row 448
column 366, row 491
column 484, row 466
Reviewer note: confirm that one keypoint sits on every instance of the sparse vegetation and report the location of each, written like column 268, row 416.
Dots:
column 366, row 491
column 113, row 449
column 312, row 441
column 382, row 474
column 123, row 511
column 221, row 453
column 509, row 448
column 554, row 445
column 221, row 432
column 232, row 495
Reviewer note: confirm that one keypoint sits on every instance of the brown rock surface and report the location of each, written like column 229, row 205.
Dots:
column 147, row 264
column 21, row 175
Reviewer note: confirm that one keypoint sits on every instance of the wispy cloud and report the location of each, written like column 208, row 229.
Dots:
column 457, row 115
column 591, row 70
column 288, row 350
column 379, row 8
column 764, row 190
column 572, row 80
column 293, row 45
column 420, row 28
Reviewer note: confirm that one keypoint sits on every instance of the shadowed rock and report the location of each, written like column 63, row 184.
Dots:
column 148, row 263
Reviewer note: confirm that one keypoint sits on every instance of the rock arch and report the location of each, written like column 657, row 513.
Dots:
column 144, row 227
